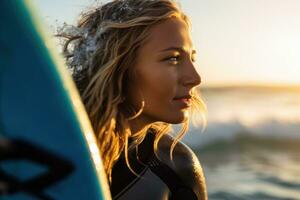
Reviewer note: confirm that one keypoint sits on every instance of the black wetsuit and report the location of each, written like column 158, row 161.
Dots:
column 156, row 180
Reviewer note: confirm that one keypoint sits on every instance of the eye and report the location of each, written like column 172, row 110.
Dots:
column 173, row 59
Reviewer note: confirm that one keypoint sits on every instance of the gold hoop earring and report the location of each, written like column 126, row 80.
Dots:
column 138, row 113
column 140, row 110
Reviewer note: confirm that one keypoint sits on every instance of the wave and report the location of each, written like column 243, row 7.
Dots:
column 228, row 131
column 228, row 195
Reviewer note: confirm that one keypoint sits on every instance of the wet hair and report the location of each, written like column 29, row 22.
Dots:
column 100, row 53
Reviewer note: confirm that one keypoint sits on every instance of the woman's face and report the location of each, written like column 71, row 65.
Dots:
column 165, row 73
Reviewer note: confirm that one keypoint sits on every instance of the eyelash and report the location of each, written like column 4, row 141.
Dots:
column 177, row 59
column 194, row 59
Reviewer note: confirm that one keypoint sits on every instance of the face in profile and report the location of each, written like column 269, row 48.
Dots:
column 165, row 73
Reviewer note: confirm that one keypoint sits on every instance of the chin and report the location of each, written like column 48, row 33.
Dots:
column 178, row 118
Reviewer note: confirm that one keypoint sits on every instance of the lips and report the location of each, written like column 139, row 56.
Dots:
column 183, row 101
column 186, row 97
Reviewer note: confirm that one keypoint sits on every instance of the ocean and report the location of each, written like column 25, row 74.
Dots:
column 250, row 148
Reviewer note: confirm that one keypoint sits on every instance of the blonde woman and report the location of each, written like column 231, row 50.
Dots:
column 133, row 63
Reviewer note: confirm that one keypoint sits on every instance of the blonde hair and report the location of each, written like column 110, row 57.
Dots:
column 100, row 52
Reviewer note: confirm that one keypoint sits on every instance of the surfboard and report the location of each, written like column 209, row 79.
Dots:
column 47, row 146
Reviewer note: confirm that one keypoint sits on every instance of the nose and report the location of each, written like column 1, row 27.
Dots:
column 191, row 77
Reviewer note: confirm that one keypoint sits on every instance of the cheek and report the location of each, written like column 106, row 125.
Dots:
column 159, row 86
column 159, row 91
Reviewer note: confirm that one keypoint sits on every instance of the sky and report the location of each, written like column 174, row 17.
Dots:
column 238, row 41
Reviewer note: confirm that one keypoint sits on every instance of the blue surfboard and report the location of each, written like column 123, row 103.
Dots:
column 47, row 146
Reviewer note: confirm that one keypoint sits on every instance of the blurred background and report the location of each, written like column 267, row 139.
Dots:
column 248, row 57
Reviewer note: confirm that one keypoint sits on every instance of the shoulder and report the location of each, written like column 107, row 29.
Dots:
column 185, row 163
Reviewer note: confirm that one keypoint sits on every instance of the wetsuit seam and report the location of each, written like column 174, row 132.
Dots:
column 131, row 184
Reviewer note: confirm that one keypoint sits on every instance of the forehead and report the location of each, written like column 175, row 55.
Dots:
column 173, row 32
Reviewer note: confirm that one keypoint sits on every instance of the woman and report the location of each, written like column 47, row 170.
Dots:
column 133, row 63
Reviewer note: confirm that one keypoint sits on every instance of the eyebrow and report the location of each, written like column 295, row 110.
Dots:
column 181, row 49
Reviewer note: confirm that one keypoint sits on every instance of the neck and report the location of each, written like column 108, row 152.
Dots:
column 140, row 124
